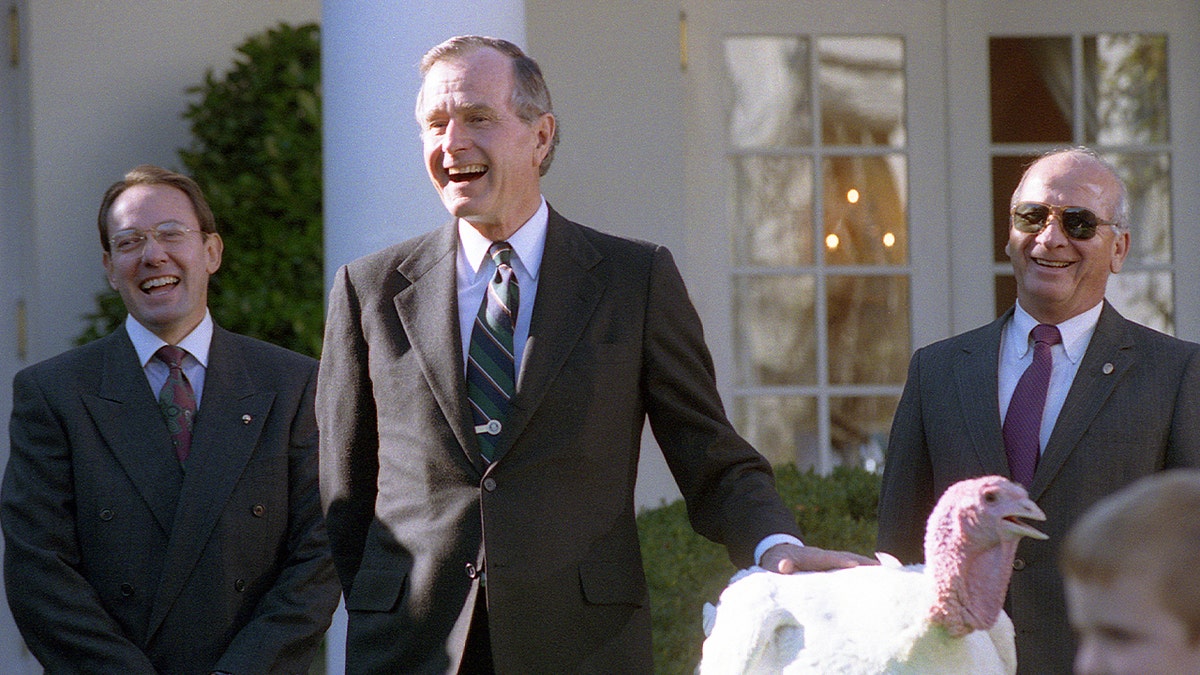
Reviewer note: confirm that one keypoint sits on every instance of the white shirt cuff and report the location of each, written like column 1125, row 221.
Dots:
column 773, row 540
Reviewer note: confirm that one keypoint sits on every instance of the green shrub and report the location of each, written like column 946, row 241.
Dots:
column 256, row 153
column 684, row 570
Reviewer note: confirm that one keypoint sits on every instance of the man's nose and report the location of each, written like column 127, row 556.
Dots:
column 1053, row 233
column 456, row 138
column 152, row 250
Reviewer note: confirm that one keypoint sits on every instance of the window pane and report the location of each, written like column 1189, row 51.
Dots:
column 868, row 329
column 862, row 90
column 774, row 319
column 782, row 428
column 774, row 197
column 1144, row 297
column 1125, row 82
column 771, row 91
column 865, row 219
column 1148, row 183
column 1006, row 173
column 859, row 429
column 1005, row 292
column 1031, row 90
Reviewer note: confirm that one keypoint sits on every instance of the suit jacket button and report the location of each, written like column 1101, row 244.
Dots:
column 126, row 590
column 472, row 572
column 1018, row 564
column 239, row 585
column 259, row 510
column 489, row 484
column 107, row 514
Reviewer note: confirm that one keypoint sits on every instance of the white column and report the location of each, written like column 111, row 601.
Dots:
column 376, row 190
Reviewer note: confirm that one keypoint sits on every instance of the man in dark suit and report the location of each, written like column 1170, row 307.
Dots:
column 141, row 539
column 498, row 535
column 1121, row 399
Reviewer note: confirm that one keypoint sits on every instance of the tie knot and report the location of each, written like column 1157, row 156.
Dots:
column 1046, row 333
column 501, row 252
column 171, row 355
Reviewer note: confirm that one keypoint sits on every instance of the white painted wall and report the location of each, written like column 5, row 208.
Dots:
column 618, row 91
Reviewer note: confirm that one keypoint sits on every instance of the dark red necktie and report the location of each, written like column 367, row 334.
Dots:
column 177, row 401
column 1023, row 422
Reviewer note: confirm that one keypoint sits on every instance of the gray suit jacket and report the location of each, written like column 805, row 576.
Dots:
column 1134, row 408
column 117, row 561
column 412, row 508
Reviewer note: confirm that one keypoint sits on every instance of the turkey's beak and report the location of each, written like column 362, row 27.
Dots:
column 1025, row 510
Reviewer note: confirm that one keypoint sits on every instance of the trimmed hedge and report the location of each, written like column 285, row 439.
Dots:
column 684, row 570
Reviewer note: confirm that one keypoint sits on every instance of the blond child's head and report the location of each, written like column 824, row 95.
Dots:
column 1132, row 572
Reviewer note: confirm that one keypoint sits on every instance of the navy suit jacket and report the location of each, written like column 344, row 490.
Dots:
column 415, row 515
column 1134, row 408
column 118, row 561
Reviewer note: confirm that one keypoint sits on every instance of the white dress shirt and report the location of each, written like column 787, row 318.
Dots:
column 475, row 270
column 195, row 363
column 1016, row 353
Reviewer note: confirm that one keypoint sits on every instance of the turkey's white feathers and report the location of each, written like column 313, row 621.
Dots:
column 890, row 618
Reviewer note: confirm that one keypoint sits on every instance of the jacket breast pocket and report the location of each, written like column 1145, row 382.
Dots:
column 376, row 590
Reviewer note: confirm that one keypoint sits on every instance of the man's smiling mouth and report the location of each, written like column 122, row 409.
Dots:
column 1056, row 264
column 466, row 172
column 150, row 285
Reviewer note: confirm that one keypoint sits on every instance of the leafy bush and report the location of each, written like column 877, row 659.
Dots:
column 684, row 570
column 256, row 153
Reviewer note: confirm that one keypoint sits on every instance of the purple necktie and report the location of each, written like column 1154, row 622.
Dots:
column 177, row 401
column 1023, row 423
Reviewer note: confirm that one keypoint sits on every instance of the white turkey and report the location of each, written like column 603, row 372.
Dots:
column 944, row 617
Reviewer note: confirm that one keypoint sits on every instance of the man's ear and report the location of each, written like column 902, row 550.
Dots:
column 214, row 246
column 1120, row 250
column 544, row 133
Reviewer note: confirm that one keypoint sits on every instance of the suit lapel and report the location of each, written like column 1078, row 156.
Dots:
column 428, row 310
column 228, row 424
column 131, row 423
column 1109, row 354
column 975, row 377
column 569, row 289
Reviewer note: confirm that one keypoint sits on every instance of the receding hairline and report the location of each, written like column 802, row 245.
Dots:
column 1081, row 156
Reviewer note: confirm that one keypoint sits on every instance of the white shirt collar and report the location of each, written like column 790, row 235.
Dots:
column 529, row 242
column 147, row 343
column 1076, row 332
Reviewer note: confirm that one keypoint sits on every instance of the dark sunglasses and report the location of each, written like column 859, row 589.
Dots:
column 1078, row 222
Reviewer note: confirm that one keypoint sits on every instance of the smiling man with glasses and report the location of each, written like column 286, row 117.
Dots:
column 160, row 505
column 1061, row 393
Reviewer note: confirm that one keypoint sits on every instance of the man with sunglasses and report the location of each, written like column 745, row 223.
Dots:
column 1120, row 400
column 177, row 535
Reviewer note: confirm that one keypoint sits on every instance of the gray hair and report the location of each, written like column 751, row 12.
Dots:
column 530, row 96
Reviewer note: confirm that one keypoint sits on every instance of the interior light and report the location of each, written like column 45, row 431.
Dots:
column 889, row 239
column 831, row 241
column 852, row 196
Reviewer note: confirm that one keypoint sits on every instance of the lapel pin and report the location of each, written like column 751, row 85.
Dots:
column 246, row 419
column 1107, row 369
